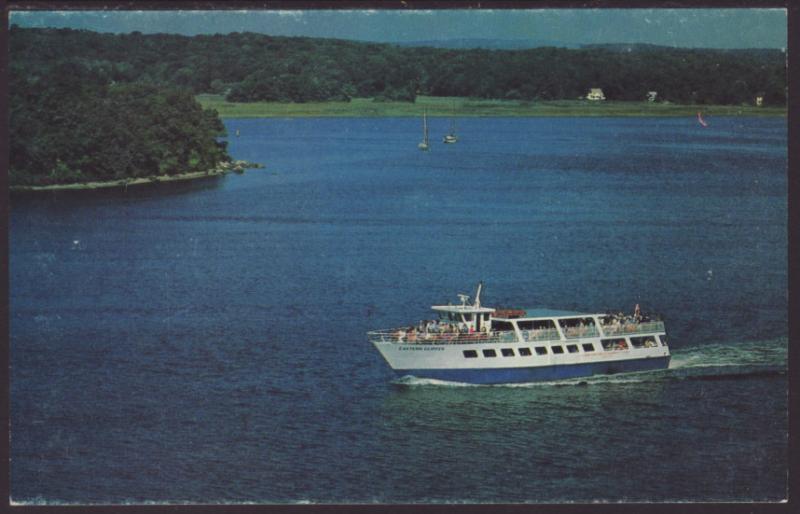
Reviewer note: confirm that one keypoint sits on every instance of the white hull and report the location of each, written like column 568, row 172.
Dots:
column 420, row 355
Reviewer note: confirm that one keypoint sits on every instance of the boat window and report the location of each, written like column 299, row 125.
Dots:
column 578, row 327
column 524, row 351
column 541, row 350
column 454, row 317
column 508, row 352
column 470, row 354
column 489, row 353
column 572, row 348
column 576, row 322
column 663, row 340
column 588, row 347
column 468, row 317
column 617, row 343
column 644, row 342
column 541, row 324
column 558, row 349
column 502, row 326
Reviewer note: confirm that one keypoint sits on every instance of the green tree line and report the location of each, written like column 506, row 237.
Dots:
column 255, row 67
column 69, row 124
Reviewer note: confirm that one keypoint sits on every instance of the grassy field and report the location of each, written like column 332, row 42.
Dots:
column 441, row 106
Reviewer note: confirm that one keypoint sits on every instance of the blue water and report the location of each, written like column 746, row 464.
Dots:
column 205, row 342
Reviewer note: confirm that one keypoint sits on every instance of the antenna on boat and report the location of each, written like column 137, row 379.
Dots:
column 463, row 298
column 478, row 294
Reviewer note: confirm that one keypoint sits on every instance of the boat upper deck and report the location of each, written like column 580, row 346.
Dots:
column 568, row 326
column 471, row 323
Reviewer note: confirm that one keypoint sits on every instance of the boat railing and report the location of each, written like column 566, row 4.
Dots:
column 549, row 334
column 578, row 332
column 633, row 328
column 404, row 336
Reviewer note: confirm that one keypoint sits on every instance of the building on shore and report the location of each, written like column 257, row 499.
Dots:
column 595, row 94
column 651, row 96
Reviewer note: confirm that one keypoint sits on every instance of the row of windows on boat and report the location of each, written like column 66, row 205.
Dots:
column 608, row 345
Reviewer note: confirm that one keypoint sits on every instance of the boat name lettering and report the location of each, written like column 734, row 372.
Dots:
column 423, row 348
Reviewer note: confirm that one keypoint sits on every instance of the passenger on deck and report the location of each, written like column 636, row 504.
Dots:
column 637, row 314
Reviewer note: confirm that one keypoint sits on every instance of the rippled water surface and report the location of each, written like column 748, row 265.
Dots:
column 206, row 342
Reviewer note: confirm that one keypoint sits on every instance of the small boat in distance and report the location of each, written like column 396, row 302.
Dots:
column 470, row 343
column 451, row 137
column 701, row 120
column 424, row 144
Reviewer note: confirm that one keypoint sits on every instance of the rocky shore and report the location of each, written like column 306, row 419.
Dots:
column 222, row 169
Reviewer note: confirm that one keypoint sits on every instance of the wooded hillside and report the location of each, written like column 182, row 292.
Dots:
column 67, row 125
column 257, row 67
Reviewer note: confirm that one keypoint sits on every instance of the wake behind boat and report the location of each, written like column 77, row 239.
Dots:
column 482, row 345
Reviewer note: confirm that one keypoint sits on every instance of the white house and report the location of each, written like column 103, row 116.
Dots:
column 595, row 93
column 651, row 96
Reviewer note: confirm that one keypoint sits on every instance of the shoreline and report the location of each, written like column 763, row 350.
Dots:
column 449, row 107
column 222, row 170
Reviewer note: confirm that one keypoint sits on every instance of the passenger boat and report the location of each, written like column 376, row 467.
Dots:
column 480, row 345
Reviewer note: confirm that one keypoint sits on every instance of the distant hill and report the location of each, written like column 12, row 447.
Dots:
column 488, row 44
column 627, row 47
column 250, row 67
column 645, row 48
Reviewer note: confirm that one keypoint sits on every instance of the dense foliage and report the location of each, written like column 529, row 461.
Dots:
column 69, row 124
column 252, row 67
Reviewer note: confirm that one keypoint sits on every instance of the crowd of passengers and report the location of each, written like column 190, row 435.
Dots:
column 434, row 329
column 621, row 322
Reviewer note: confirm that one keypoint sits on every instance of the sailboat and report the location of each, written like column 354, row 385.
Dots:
column 424, row 144
column 451, row 137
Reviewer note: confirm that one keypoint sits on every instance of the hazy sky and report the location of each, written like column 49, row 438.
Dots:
column 709, row 28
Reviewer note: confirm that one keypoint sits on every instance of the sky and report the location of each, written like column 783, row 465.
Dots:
column 697, row 28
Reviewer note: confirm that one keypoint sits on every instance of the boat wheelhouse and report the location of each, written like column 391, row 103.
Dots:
column 474, row 344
